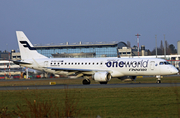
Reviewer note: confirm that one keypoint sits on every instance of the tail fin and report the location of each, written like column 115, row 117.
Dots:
column 26, row 48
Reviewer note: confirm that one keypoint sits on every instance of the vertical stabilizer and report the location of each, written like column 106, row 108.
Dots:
column 26, row 48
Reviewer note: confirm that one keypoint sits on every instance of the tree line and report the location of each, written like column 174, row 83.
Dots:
column 170, row 49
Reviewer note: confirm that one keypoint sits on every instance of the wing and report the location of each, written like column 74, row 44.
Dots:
column 69, row 69
column 77, row 72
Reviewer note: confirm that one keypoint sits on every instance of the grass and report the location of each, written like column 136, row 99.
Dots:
column 105, row 102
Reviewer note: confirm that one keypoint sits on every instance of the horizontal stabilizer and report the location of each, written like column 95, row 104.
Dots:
column 20, row 62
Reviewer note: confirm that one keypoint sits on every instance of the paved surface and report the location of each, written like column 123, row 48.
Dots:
column 89, row 86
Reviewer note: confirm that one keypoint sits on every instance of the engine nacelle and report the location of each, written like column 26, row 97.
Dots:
column 102, row 76
column 127, row 78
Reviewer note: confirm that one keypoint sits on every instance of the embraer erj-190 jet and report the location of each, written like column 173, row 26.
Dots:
column 99, row 69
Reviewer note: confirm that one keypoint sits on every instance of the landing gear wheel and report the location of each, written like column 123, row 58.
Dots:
column 86, row 82
column 158, row 81
column 103, row 82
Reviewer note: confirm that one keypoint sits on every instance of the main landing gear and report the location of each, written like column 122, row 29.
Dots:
column 86, row 82
column 158, row 79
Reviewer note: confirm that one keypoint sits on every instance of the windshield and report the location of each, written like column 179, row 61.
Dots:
column 164, row 63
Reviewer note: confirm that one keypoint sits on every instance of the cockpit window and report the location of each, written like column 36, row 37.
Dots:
column 164, row 63
column 161, row 63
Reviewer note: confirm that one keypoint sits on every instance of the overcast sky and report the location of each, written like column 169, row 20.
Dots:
column 60, row 21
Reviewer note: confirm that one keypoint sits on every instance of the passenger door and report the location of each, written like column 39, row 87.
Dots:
column 152, row 64
column 45, row 63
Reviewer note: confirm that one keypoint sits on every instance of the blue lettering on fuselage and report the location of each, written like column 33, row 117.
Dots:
column 122, row 64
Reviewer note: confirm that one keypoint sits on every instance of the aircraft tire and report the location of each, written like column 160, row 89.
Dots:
column 86, row 82
column 103, row 82
column 158, row 81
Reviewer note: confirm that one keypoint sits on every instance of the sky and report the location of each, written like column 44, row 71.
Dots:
column 60, row 21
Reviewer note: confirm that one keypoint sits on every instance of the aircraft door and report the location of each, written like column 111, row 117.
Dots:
column 45, row 63
column 152, row 64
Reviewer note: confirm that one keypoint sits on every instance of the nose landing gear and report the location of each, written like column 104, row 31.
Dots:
column 158, row 79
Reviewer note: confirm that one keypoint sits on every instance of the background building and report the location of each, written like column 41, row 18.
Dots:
column 82, row 50
column 15, row 55
column 5, row 55
column 118, row 49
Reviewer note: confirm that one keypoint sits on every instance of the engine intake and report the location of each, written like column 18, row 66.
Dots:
column 102, row 76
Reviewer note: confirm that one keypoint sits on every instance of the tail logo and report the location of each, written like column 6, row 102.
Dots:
column 26, row 44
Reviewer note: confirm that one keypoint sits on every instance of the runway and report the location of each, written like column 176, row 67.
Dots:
column 62, row 86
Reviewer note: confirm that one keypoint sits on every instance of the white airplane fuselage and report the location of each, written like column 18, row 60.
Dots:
column 116, row 66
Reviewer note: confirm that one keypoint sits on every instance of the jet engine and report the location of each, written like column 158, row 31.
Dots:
column 127, row 78
column 102, row 77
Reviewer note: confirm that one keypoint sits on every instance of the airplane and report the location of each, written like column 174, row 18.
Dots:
column 100, row 70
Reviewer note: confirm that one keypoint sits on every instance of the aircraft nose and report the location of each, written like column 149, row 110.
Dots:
column 174, row 70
